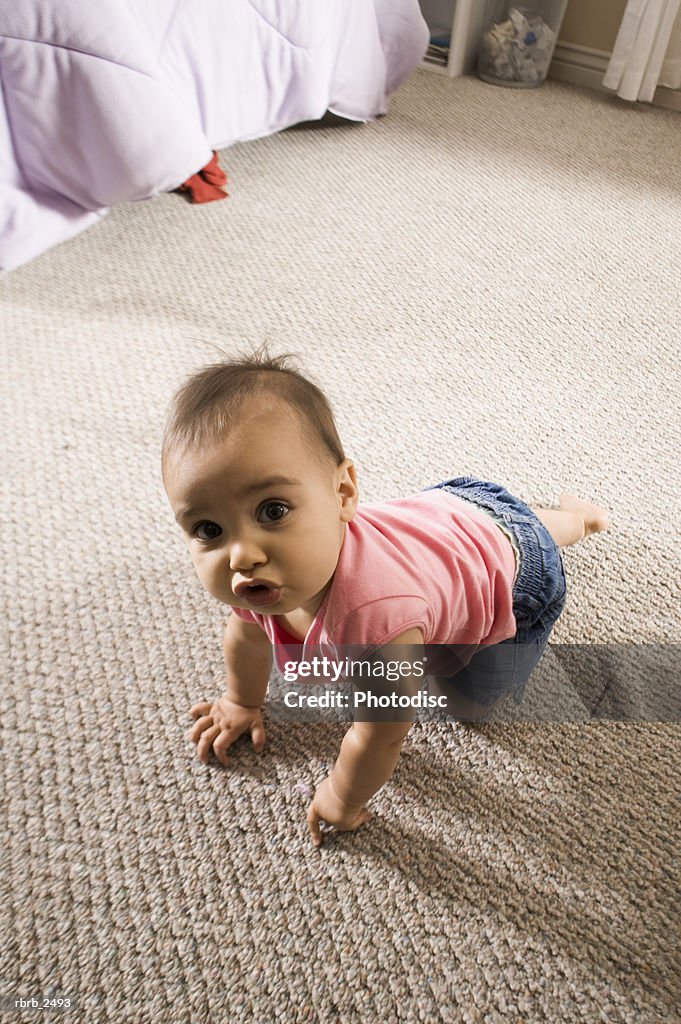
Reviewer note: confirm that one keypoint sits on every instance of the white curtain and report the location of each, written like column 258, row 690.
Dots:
column 647, row 51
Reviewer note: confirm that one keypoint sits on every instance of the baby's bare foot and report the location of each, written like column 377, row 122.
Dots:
column 595, row 517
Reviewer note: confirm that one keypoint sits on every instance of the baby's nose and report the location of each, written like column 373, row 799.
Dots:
column 245, row 554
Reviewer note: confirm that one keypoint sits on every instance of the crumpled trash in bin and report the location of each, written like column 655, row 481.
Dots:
column 517, row 50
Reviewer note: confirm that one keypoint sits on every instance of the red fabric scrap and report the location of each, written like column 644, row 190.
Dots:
column 207, row 184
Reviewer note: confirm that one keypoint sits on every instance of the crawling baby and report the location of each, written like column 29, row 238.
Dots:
column 268, row 504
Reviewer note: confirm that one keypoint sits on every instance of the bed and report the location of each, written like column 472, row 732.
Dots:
column 122, row 99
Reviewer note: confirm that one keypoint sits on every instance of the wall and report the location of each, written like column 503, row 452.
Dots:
column 587, row 38
column 592, row 24
column 438, row 13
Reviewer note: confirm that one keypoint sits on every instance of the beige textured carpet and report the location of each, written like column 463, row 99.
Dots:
column 485, row 281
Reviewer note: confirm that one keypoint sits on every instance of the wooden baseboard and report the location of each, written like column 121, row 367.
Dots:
column 580, row 65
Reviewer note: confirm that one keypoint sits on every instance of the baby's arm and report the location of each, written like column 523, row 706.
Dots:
column 367, row 758
column 248, row 660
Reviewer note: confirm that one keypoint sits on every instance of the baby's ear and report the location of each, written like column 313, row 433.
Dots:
column 348, row 492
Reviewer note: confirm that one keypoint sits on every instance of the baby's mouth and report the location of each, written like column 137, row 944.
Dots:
column 258, row 592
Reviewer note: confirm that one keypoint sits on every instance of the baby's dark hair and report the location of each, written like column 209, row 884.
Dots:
column 203, row 409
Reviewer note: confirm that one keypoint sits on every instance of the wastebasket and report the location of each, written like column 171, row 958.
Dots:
column 518, row 42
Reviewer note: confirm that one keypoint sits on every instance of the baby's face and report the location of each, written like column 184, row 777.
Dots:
column 262, row 516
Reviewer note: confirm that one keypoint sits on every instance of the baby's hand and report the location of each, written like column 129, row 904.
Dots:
column 328, row 807
column 219, row 724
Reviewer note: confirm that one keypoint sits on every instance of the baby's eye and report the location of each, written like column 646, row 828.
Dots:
column 272, row 511
column 206, row 531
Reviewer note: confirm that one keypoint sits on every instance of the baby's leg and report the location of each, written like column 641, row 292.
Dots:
column 573, row 521
column 457, row 706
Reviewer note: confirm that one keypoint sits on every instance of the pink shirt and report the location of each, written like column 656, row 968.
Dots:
column 432, row 560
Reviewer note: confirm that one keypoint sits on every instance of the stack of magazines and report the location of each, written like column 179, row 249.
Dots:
column 438, row 50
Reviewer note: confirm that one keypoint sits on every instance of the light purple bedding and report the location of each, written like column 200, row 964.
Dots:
column 111, row 100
